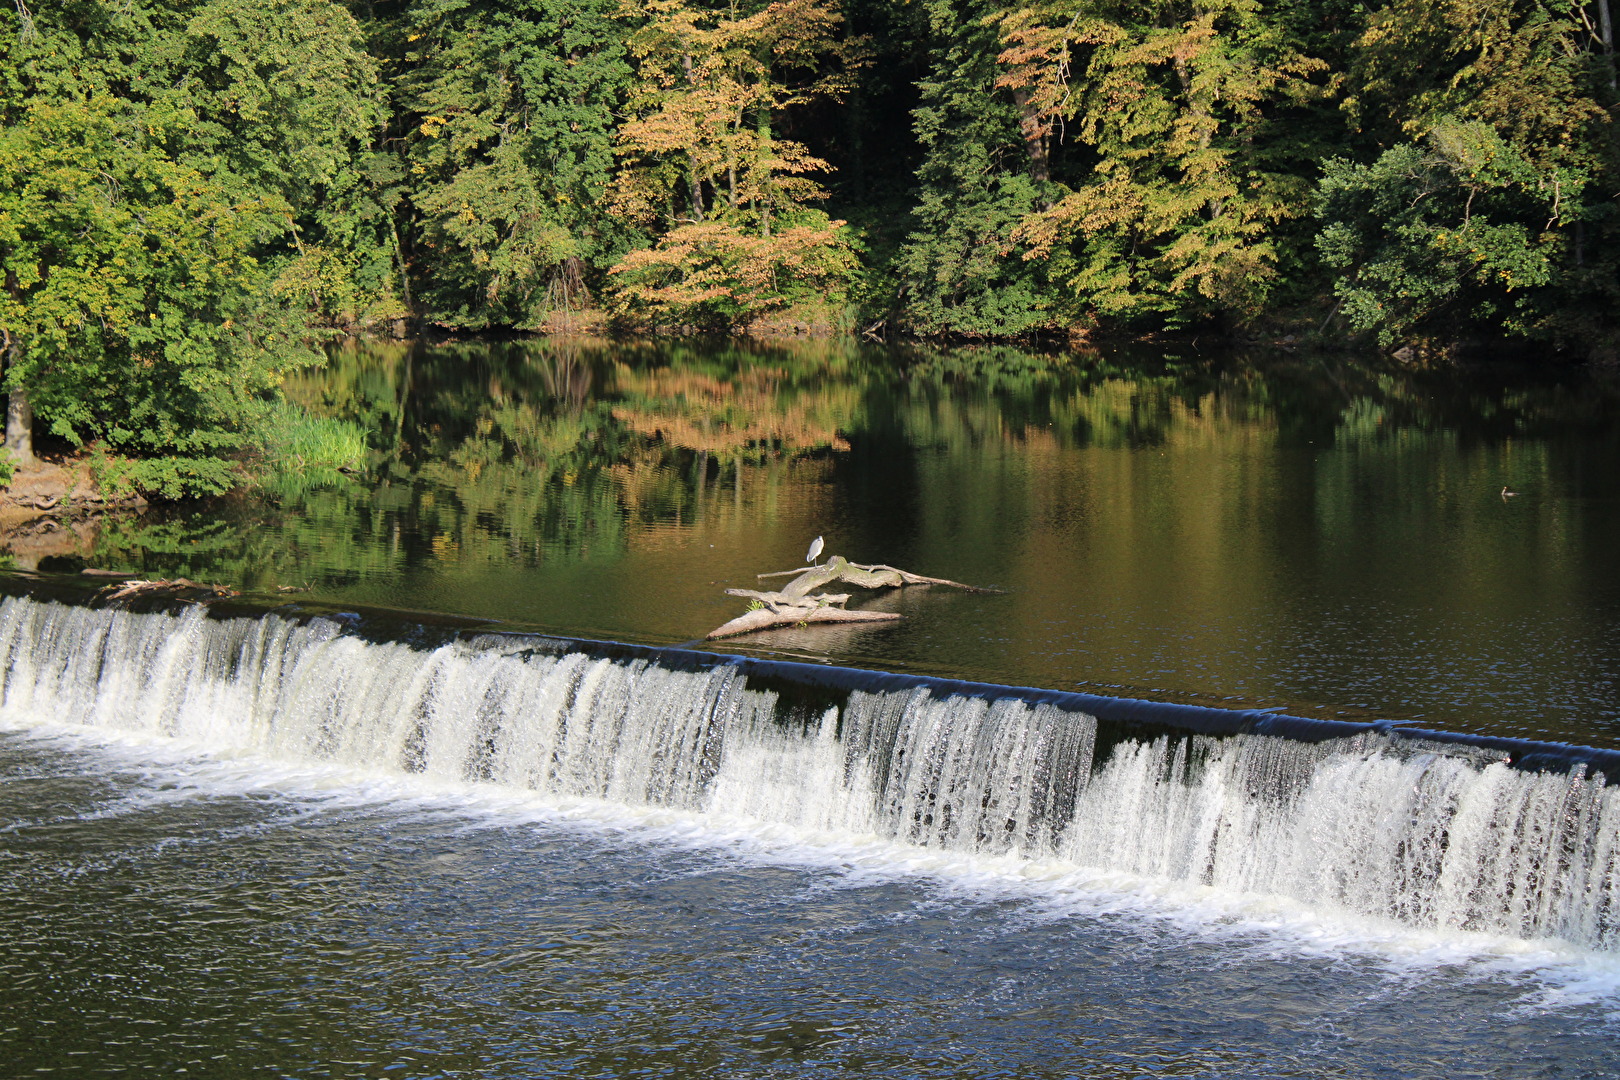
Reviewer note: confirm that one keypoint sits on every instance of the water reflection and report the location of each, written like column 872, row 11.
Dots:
column 1320, row 534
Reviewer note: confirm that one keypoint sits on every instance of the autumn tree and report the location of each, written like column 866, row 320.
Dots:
column 703, row 164
column 1532, row 69
column 1487, row 211
column 1189, row 175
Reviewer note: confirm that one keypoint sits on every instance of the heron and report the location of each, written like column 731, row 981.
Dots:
column 815, row 550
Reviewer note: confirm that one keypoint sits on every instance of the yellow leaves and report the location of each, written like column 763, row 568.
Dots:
column 709, row 84
column 1095, row 209
column 1175, row 201
column 432, row 125
column 714, row 268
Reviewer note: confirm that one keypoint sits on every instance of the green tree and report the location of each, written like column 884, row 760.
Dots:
column 156, row 163
column 511, row 106
column 984, row 172
column 1436, row 234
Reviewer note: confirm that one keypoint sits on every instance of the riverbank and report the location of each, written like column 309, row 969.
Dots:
column 53, row 507
column 56, row 484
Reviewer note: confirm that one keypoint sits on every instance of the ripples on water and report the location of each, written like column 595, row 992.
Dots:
column 229, row 917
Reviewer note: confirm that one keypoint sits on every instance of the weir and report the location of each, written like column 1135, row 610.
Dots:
column 1435, row 830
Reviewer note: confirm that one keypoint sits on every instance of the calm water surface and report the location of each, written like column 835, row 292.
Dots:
column 1310, row 533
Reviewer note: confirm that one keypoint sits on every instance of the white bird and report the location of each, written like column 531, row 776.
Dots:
column 815, row 550
column 1506, row 494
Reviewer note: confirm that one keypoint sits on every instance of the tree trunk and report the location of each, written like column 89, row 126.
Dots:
column 19, row 410
column 796, row 605
column 695, row 190
column 404, row 270
column 875, row 576
column 1030, row 123
column 1606, row 29
column 20, row 427
column 762, row 147
column 694, row 183
column 765, row 619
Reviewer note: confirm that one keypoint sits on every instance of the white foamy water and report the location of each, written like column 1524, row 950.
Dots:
column 1433, row 839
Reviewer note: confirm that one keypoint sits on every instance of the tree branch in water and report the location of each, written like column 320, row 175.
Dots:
column 795, row 605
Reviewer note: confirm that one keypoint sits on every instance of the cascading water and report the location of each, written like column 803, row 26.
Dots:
column 1435, row 834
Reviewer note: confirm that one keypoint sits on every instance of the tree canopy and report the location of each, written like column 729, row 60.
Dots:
column 193, row 192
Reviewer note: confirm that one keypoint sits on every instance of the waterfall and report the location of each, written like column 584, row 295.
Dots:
column 1434, row 832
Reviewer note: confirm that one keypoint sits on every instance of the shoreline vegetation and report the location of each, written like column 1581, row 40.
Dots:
column 196, row 196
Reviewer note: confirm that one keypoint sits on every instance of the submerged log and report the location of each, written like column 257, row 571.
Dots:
column 796, row 605
column 776, row 599
column 763, row 618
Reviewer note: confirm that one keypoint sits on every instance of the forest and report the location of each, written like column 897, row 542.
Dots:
column 195, row 195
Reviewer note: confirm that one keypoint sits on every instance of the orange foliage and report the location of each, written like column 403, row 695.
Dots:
column 717, row 274
column 750, row 411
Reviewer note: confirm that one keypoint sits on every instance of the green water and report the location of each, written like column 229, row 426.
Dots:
column 1321, row 534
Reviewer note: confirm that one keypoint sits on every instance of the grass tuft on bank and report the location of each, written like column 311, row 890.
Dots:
column 299, row 451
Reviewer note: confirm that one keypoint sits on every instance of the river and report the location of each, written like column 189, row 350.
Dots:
column 287, row 846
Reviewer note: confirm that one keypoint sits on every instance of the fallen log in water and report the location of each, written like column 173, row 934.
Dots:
column 796, row 605
column 775, row 599
column 180, row 588
column 876, row 576
column 763, row 618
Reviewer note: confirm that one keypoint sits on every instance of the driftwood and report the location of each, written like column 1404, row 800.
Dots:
column 179, row 588
column 776, row 599
column 876, row 576
column 796, row 605
column 764, row 618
